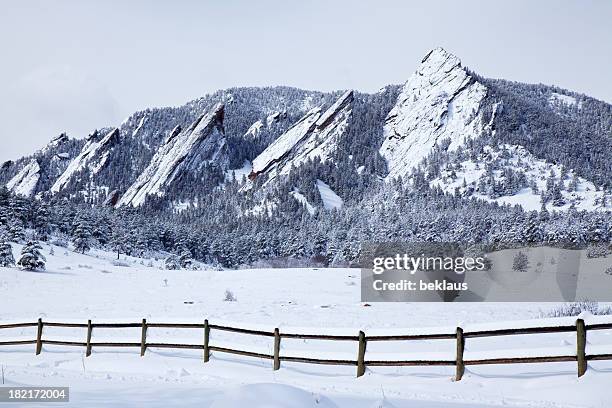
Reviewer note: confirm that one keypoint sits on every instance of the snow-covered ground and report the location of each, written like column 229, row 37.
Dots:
column 94, row 286
column 330, row 198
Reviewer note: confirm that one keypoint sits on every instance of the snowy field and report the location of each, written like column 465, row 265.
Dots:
column 78, row 287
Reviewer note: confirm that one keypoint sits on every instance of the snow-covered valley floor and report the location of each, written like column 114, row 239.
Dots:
column 78, row 287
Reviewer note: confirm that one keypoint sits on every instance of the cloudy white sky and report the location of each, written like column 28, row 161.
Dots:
column 77, row 65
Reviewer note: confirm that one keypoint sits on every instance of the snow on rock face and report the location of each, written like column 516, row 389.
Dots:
column 283, row 145
column 254, row 130
column 314, row 135
column 93, row 156
column 56, row 141
column 203, row 142
column 275, row 117
column 140, row 124
column 24, row 183
column 441, row 100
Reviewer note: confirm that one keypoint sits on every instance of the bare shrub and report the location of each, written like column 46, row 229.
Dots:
column 229, row 296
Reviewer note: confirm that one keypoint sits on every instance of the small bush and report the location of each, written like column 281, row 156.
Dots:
column 172, row 263
column 608, row 271
column 229, row 296
column 117, row 262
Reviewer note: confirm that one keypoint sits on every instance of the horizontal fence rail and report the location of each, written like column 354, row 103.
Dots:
column 460, row 336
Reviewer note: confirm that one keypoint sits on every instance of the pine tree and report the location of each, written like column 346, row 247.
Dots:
column 31, row 259
column 81, row 236
column 557, row 197
column 6, row 254
column 185, row 260
column 172, row 262
column 533, row 229
column 16, row 232
column 40, row 222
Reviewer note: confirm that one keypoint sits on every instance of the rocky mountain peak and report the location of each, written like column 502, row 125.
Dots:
column 439, row 101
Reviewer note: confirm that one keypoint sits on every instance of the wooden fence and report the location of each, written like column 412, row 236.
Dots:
column 460, row 336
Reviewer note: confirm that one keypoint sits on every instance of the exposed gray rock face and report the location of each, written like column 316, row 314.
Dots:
column 183, row 151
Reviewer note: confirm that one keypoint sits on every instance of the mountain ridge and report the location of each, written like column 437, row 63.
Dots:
column 442, row 104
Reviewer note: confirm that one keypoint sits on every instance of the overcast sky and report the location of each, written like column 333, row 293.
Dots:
column 77, row 65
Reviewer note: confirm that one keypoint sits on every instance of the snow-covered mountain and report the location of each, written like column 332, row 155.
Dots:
column 445, row 124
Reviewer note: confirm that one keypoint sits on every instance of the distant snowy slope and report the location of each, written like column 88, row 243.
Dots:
column 509, row 174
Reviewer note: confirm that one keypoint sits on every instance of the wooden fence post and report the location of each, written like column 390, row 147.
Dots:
column 361, row 354
column 206, row 341
column 581, row 347
column 88, row 346
column 277, row 340
column 143, row 339
column 39, row 336
column 460, row 366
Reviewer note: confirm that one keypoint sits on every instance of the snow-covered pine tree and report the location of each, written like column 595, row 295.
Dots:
column 81, row 236
column 185, row 258
column 557, row 197
column 172, row 262
column 31, row 259
column 6, row 254
column 40, row 221
column 16, row 232
column 533, row 229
